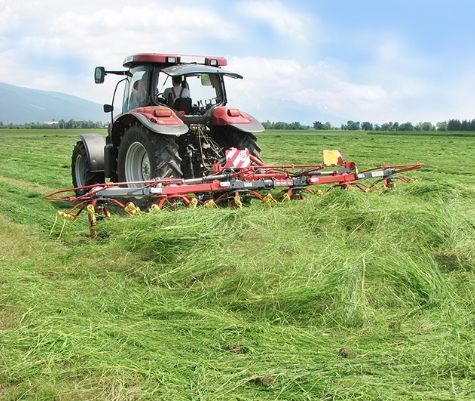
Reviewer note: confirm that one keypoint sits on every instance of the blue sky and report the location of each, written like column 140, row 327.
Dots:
column 301, row 60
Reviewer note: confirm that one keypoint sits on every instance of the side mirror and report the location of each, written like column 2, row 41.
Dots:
column 108, row 108
column 99, row 74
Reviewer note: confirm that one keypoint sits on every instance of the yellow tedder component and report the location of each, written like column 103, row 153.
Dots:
column 286, row 197
column 65, row 216
column 210, row 203
column 91, row 211
column 131, row 209
column 331, row 157
column 237, row 201
column 268, row 199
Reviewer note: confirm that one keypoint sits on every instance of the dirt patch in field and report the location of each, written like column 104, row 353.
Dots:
column 236, row 348
column 9, row 318
column 264, row 381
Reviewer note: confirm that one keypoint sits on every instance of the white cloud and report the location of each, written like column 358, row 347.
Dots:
column 7, row 22
column 117, row 31
column 387, row 91
column 51, row 40
column 287, row 23
column 320, row 88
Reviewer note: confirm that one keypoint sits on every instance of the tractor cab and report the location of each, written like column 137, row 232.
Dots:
column 189, row 88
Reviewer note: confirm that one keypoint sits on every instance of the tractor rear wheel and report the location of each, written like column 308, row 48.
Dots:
column 242, row 140
column 145, row 156
column 81, row 169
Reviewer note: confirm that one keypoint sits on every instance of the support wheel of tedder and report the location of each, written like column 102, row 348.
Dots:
column 81, row 169
column 145, row 156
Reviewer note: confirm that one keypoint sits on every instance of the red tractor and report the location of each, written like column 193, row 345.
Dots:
column 174, row 122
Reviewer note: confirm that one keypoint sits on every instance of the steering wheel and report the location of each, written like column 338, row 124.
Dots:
column 161, row 98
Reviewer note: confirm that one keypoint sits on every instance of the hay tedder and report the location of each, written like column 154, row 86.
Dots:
column 177, row 143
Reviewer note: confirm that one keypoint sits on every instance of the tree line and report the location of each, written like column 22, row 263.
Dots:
column 61, row 124
column 287, row 126
column 451, row 125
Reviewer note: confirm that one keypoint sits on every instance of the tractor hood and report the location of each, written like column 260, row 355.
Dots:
column 191, row 69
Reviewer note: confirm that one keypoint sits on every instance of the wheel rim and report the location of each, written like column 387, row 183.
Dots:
column 137, row 164
column 80, row 170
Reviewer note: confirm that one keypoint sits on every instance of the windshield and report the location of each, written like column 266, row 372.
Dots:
column 202, row 91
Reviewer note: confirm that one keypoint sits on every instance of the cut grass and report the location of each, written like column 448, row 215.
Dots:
column 347, row 296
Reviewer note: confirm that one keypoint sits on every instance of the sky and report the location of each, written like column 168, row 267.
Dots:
column 302, row 61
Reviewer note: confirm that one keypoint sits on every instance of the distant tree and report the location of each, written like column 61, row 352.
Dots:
column 352, row 125
column 442, row 126
column 425, row 126
column 465, row 126
column 296, row 125
column 318, row 125
column 454, row 125
column 283, row 125
column 366, row 126
column 386, row 126
column 377, row 127
column 406, row 127
column 395, row 126
column 327, row 126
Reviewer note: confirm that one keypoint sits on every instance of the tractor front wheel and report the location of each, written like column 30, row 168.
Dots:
column 145, row 156
column 81, row 170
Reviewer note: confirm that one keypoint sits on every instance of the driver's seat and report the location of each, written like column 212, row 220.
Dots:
column 183, row 104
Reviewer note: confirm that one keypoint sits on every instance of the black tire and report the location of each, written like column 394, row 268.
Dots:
column 242, row 140
column 81, row 169
column 162, row 152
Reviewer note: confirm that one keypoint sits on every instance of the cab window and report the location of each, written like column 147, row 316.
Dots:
column 204, row 90
column 137, row 92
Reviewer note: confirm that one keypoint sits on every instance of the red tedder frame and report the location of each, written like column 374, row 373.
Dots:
column 241, row 175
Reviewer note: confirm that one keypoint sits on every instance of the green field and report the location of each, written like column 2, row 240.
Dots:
column 349, row 296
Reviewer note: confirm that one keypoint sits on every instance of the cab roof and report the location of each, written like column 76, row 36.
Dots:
column 171, row 59
column 192, row 69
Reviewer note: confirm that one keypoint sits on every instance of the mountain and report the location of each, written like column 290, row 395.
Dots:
column 25, row 105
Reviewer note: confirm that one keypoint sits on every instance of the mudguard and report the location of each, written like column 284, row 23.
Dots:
column 94, row 144
column 253, row 127
column 161, row 120
column 223, row 116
